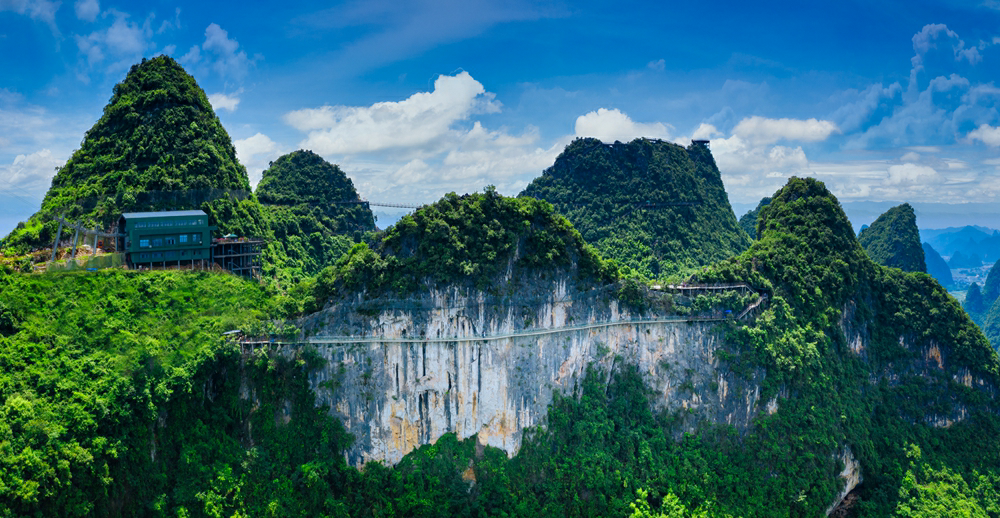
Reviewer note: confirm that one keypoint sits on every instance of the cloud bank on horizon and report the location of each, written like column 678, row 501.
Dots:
column 913, row 120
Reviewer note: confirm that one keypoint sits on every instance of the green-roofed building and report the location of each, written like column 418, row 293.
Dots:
column 166, row 238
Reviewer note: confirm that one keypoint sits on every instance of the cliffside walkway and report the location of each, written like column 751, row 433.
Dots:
column 367, row 339
column 505, row 336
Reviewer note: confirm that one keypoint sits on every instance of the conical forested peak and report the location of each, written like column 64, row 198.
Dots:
column 157, row 146
column 314, row 211
column 974, row 302
column 652, row 205
column 893, row 240
column 991, row 286
column 804, row 207
column 936, row 266
column 304, row 177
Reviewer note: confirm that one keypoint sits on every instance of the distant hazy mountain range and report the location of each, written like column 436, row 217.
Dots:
column 970, row 241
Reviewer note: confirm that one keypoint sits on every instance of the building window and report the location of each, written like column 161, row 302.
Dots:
column 184, row 253
column 143, row 243
column 144, row 256
column 157, row 255
column 196, row 238
column 157, row 242
column 170, row 240
column 184, row 238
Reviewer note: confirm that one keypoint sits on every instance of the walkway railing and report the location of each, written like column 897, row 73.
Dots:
column 355, row 339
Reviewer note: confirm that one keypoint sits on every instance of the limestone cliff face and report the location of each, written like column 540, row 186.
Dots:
column 465, row 362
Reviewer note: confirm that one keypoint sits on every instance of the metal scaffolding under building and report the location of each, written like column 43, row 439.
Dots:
column 240, row 256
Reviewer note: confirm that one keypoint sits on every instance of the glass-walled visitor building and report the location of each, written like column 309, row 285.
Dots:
column 165, row 238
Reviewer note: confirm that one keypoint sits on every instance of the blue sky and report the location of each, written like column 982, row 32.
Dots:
column 885, row 102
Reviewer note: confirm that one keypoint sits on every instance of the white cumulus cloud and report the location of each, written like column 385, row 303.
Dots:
column 912, row 174
column 612, row 125
column 125, row 41
column 417, row 121
column 220, row 54
column 986, row 134
column 30, row 173
column 221, row 101
column 255, row 152
column 416, row 149
column 762, row 130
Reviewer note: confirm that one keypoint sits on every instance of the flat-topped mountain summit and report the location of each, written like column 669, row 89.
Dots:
column 651, row 205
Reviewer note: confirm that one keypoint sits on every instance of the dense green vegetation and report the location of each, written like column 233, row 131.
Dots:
column 604, row 191
column 749, row 220
column 157, row 146
column 821, row 280
column 990, row 324
column 894, row 241
column 983, row 305
column 103, row 382
column 120, row 397
column 936, row 266
column 300, row 193
column 991, row 286
column 473, row 240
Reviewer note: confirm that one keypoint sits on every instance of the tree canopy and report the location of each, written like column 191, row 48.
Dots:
column 472, row 240
column 313, row 210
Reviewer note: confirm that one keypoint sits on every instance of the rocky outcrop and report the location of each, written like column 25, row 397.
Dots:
column 475, row 364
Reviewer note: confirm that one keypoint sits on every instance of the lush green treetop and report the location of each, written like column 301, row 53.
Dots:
column 893, row 240
column 300, row 192
column 305, row 177
column 471, row 239
column 157, row 146
column 601, row 188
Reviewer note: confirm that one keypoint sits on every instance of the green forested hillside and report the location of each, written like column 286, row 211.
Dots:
column 157, row 146
column 749, row 220
column 300, row 193
column 991, row 286
column 990, row 323
column 983, row 305
column 466, row 240
column 614, row 194
column 823, row 285
column 893, row 240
